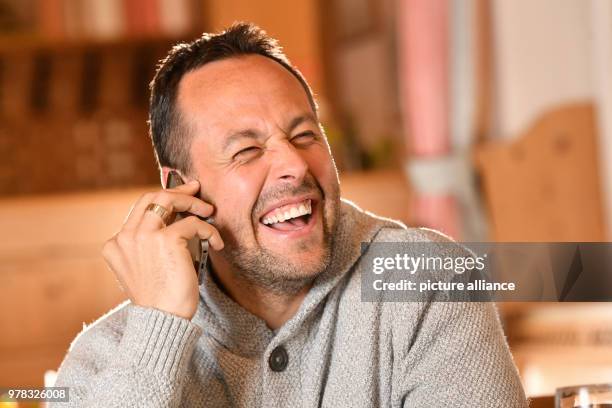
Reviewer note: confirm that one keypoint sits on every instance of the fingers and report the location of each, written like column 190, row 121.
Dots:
column 178, row 199
column 190, row 227
column 135, row 214
column 174, row 203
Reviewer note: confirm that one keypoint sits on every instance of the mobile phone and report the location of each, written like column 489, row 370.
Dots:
column 197, row 247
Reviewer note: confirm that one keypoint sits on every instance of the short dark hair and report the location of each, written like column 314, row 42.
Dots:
column 168, row 133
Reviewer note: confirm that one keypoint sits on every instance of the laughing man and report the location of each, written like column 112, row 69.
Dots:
column 278, row 320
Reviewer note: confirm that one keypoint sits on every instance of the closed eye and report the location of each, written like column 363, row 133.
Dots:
column 247, row 152
column 304, row 137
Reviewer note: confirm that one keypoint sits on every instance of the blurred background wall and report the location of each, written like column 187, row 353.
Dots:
column 486, row 119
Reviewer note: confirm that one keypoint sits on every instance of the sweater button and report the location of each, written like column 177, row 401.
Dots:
column 278, row 359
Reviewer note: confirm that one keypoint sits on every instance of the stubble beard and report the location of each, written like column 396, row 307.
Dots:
column 271, row 272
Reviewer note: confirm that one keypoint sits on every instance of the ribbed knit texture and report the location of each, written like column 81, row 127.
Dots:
column 342, row 352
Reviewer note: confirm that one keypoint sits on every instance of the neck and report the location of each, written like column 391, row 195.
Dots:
column 273, row 308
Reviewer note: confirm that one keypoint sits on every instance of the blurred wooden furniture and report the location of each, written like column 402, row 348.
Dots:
column 557, row 345
column 52, row 276
column 383, row 192
column 545, row 185
column 542, row 402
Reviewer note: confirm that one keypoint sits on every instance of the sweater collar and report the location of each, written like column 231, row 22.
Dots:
column 244, row 333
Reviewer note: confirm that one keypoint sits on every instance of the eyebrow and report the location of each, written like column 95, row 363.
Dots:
column 241, row 134
column 295, row 122
column 254, row 134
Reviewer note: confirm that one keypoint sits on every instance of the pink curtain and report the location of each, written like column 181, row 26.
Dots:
column 423, row 57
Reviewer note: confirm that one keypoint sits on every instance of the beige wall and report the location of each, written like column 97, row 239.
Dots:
column 542, row 54
column 601, row 14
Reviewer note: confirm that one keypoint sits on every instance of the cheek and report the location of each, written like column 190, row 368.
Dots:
column 239, row 194
column 322, row 168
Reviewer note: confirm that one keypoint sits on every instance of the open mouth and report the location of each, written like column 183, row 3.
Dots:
column 290, row 217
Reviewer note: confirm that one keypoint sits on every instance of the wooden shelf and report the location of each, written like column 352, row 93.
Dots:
column 28, row 42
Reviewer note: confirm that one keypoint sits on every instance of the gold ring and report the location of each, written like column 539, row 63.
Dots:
column 159, row 210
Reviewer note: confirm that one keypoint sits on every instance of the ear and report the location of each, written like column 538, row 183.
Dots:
column 164, row 175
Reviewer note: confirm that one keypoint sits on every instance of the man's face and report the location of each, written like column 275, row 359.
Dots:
column 261, row 157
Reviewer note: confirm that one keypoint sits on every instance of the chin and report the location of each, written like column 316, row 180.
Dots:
column 308, row 266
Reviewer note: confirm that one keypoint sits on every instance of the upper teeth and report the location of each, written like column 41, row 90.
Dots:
column 289, row 211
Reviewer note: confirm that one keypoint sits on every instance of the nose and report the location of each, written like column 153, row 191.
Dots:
column 288, row 164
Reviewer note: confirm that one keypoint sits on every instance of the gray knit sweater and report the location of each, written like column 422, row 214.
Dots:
column 336, row 351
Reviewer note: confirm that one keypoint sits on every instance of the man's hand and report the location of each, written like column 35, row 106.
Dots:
column 152, row 261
